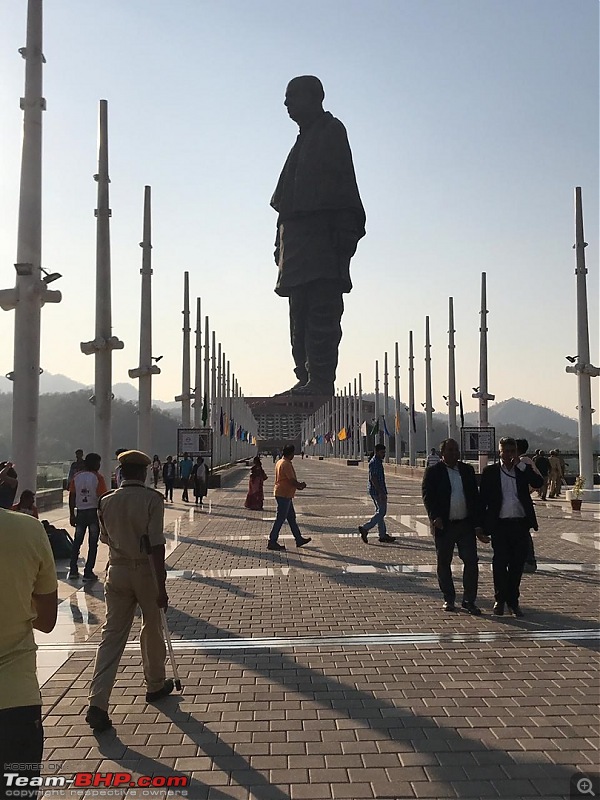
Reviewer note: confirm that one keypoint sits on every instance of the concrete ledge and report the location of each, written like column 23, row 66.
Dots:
column 45, row 499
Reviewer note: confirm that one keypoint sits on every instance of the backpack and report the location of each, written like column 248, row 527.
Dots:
column 61, row 540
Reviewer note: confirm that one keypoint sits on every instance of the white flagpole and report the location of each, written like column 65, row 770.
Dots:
column 198, row 398
column 397, row 425
column 428, row 401
column 411, row 402
column 452, row 404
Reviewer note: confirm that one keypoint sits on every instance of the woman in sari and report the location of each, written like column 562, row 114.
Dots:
column 255, row 496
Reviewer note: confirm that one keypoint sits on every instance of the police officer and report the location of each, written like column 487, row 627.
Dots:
column 126, row 515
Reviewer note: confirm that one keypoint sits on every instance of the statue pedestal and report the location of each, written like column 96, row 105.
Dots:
column 280, row 418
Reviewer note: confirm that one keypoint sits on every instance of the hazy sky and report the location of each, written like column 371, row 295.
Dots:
column 471, row 122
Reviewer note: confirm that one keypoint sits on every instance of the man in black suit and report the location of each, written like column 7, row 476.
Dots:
column 451, row 497
column 508, row 516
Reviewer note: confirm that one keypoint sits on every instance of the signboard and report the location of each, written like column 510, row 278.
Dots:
column 195, row 441
column 477, row 441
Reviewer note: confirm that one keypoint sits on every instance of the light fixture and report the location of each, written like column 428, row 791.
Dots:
column 50, row 277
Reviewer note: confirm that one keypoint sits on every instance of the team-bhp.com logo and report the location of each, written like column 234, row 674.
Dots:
column 96, row 784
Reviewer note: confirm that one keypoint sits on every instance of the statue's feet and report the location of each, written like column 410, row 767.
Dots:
column 316, row 388
column 294, row 390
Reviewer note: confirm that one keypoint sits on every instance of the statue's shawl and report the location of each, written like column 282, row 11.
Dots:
column 320, row 175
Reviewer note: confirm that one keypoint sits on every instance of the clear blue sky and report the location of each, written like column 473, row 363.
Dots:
column 471, row 122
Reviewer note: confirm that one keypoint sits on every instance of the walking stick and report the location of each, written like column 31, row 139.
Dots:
column 163, row 618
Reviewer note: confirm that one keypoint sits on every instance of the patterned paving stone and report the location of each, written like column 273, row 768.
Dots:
column 453, row 706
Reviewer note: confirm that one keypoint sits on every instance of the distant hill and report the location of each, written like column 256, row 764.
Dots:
column 529, row 416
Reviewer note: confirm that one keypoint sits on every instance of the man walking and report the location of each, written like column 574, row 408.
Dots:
column 169, row 477
column 451, row 498
column 286, row 485
column 126, row 515
column 28, row 601
column 378, row 492
column 508, row 515
column 85, row 490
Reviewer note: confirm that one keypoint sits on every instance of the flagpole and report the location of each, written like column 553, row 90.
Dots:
column 184, row 397
column 206, row 383
column 377, row 435
column 355, row 428
column 452, row 404
column 397, row 426
column 482, row 393
column 428, row 401
column 584, row 370
column 213, row 395
column 230, row 411
column 146, row 368
column 198, row 398
column 361, row 451
column 386, row 401
column 411, row 402
column 104, row 342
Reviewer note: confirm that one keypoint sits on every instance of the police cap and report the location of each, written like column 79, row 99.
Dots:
column 134, row 457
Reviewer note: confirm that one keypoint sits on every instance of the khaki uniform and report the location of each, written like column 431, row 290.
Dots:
column 555, row 476
column 127, row 514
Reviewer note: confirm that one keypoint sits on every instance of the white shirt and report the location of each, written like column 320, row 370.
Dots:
column 511, row 505
column 458, row 503
column 433, row 459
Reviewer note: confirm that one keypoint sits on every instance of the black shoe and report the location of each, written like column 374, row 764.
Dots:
column 98, row 719
column 302, row 542
column 90, row 577
column 275, row 546
column 167, row 688
column 471, row 608
column 530, row 567
column 73, row 575
column 363, row 534
column 516, row 611
column 498, row 610
column 448, row 606
column 386, row 538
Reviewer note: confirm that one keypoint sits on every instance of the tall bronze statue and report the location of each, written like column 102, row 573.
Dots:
column 320, row 220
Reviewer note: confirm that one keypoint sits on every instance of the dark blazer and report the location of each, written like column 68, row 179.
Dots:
column 436, row 491
column 491, row 494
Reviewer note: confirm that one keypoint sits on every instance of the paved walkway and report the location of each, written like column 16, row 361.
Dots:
column 331, row 671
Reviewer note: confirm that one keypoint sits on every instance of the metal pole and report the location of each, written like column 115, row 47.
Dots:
column 30, row 292
column 452, row 404
column 198, row 399
column 206, row 399
column 583, row 369
column 104, row 342
column 386, row 404
column 355, row 422
column 428, row 401
column 361, row 446
column 146, row 369
column 378, row 436
column 482, row 393
column 411, row 402
column 184, row 397
column 397, row 426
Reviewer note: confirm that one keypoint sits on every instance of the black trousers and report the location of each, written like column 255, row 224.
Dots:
column 510, row 542
column 461, row 534
column 21, row 743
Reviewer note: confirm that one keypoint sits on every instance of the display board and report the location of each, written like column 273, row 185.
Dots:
column 195, row 441
column 477, row 441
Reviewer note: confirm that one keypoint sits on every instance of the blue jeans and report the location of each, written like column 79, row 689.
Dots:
column 378, row 516
column 285, row 511
column 87, row 518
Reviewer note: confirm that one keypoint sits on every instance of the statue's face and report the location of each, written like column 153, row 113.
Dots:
column 300, row 101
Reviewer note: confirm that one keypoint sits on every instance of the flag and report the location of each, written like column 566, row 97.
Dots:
column 363, row 429
column 205, row 411
column 225, row 424
column 221, row 422
column 397, row 422
column 414, row 418
column 375, row 428
column 462, row 413
column 342, row 435
column 328, row 436
column 231, row 429
column 387, row 433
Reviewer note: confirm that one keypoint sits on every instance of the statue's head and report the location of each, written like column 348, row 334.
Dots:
column 304, row 98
